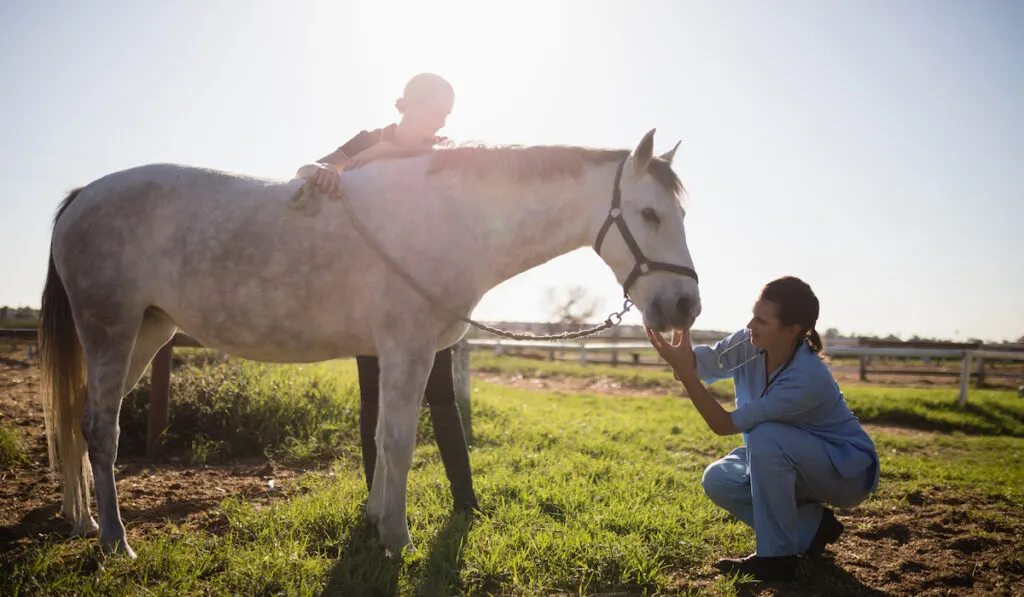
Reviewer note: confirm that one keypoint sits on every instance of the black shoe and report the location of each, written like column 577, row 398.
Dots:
column 466, row 506
column 829, row 530
column 761, row 567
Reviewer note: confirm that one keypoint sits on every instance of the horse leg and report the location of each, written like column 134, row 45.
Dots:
column 156, row 331
column 108, row 349
column 403, row 379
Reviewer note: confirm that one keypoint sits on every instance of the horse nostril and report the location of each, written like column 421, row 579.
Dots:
column 683, row 306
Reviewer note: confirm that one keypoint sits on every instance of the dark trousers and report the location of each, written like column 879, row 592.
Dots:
column 444, row 414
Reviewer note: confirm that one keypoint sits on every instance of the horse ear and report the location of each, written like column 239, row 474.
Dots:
column 668, row 155
column 643, row 153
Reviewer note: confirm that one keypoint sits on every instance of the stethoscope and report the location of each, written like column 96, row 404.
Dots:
column 767, row 382
column 745, row 340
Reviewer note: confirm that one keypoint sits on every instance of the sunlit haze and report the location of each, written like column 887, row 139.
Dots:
column 872, row 148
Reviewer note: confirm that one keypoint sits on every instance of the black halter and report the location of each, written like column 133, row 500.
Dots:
column 642, row 265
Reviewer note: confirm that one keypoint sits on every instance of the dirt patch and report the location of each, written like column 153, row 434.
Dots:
column 150, row 493
column 874, row 428
column 940, row 546
column 602, row 385
column 578, row 385
column 931, row 542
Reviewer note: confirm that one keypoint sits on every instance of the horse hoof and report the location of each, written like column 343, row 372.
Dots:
column 89, row 528
column 118, row 548
column 396, row 544
column 401, row 551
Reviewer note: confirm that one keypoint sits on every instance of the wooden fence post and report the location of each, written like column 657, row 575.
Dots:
column 159, row 390
column 979, row 382
column 461, row 379
column 965, row 378
column 864, row 368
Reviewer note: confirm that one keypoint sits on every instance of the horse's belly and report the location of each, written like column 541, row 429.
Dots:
column 283, row 347
column 269, row 354
column 310, row 336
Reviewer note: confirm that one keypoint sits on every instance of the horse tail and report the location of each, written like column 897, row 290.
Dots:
column 62, row 366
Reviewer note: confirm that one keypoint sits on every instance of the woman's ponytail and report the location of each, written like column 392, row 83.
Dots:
column 814, row 341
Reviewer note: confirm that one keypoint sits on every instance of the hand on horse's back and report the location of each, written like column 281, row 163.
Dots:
column 324, row 176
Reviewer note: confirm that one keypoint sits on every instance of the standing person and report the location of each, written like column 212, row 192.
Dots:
column 802, row 446
column 425, row 105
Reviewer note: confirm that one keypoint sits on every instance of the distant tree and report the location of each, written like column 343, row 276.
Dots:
column 25, row 313
column 572, row 305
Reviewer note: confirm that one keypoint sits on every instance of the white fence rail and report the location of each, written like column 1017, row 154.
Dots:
column 967, row 357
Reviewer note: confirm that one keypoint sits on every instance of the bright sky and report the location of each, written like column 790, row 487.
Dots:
column 873, row 148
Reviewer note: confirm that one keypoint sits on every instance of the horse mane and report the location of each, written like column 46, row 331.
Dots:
column 540, row 163
column 536, row 163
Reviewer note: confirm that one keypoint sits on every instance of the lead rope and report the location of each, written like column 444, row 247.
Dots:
column 612, row 320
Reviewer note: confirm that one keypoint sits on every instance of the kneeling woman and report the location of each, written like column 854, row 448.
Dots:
column 802, row 446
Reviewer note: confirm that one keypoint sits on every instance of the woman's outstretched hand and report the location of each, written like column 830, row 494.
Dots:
column 677, row 352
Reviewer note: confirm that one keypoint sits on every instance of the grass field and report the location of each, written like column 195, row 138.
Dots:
column 582, row 493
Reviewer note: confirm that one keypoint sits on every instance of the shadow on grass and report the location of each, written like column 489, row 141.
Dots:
column 440, row 573
column 985, row 418
column 363, row 567
column 817, row 577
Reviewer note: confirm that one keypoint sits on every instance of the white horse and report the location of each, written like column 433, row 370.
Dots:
column 141, row 253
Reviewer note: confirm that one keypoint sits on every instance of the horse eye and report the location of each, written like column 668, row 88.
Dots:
column 650, row 215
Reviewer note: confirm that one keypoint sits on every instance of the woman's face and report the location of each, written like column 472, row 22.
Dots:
column 766, row 329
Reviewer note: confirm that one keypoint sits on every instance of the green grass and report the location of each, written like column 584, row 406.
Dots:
column 581, row 494
column 638, row 378
column 12, row 452
column 242, row 409
column 987, row 412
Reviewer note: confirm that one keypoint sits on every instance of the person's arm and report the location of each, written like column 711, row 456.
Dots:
column 678, row 353
column 353, row 147
column 337, row 158
column 324, row 172
column 384, row 149
column 718, row 419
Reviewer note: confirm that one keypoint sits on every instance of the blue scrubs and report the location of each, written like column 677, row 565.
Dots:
column 802, row 446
